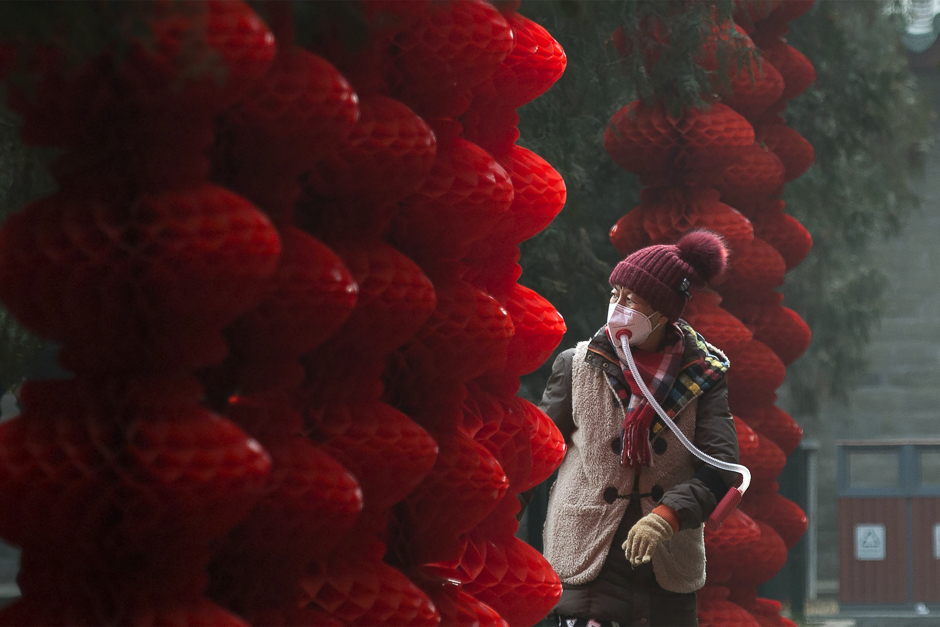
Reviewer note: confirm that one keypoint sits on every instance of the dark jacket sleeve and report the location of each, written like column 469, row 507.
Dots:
column 556, row 399
column 695, row 499
column 556, row 403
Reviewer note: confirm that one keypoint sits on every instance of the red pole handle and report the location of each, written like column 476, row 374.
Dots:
column 728, row 504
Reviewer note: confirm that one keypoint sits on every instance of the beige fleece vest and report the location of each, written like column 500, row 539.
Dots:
column 580, row 523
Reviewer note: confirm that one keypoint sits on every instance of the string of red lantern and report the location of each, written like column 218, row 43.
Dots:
column 134, row 265
column 345, row 290
column 722, row 169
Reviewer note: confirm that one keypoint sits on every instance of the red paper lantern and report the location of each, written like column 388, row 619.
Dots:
column 765, row 558
column 516, row 581
column 767, row 613
column 754, row 89
column 512, row 442
column 233, row 34
column 748, row 12
column 629, row 235
column 776, row 424
column 306, row 302
column 661, row 149
column 459, row 609
column 538, row 330
column 727, row 545
column 357, row 591
column 791, row 9
column 781, row 513
column 547, row 446
column 137, row 285
column 291, row 617
column 60, row 111
column 755, row 266
column 310, row 499
column 195, row 612
column 748, row 444
column 715, row 324
column 503, row 522
column 395, row 300
column 779, row 327
column 301, row 110
column 493, row 126
column 463, row 198
column 494, row 268
column 723, row 31
column 767, row 462
column 714, row 610
column 182, row 468
column 474, row 612
column 464, row 486
column 309, row 504
column 671, row 212
column 467, row 335
column 446, row 51
column 482, row 413
column 756, row 176
column 757, row 373
column 533, row 65
column 539, row 194
column 387, row 156
column 105, row 474
column 385, row 450
column 794, row 151
column 797, row 71
column 467, row 565
column 783, row 232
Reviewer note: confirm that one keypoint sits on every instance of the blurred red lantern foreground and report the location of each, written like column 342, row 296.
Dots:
column 322, row 248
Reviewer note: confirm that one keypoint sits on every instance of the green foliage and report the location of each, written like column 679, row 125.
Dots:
column 23, row 177
column 80, row 29
column 84, row 29
column 666, row 39
column 868, row 126
column 863, row 118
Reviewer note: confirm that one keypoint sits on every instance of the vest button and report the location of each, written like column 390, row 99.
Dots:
column 660, row 446
column 657, row 492
column 610, row 495
column 615, row 445
column 605, row 366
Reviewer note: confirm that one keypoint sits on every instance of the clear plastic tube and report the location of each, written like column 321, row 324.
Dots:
column 708, row 459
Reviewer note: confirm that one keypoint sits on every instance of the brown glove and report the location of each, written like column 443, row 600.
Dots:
column 645, row 537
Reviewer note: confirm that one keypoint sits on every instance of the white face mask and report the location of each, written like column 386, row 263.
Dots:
column 636, row 325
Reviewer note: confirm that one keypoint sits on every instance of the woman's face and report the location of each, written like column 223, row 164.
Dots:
column 624, row 296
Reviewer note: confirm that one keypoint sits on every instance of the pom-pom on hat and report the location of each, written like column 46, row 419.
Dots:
column 661, row 275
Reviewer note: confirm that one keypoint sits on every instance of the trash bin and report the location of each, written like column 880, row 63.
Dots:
column 889, row 523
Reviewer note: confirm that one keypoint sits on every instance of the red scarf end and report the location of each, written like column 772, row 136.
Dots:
column 637, row 452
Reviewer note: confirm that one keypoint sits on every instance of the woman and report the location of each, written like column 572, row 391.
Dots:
column 625, row 517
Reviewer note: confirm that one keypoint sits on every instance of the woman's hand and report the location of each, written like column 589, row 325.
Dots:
column 646, row 535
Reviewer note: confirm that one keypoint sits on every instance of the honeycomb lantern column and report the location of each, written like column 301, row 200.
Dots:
column 134, row 266
column 349, row 199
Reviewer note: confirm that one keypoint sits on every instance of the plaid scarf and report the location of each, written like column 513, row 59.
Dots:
column 658, row 371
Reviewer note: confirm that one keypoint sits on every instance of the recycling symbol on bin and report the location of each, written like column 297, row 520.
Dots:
column 871, row 541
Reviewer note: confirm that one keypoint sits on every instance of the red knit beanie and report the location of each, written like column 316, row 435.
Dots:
column 661, row 275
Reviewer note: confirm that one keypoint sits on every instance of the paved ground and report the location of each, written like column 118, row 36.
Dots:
column 826, row 613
